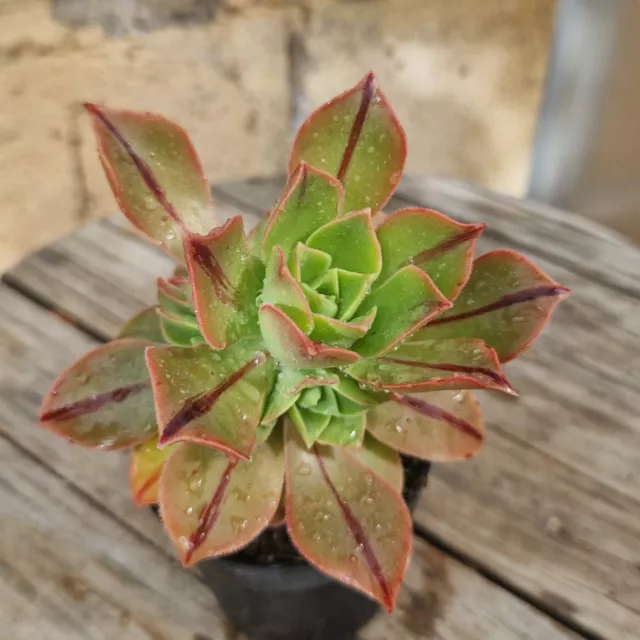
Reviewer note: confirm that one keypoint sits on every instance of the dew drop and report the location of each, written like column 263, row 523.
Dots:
column 303, row 469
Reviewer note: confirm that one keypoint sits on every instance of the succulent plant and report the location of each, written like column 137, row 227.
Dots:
column 287, row 368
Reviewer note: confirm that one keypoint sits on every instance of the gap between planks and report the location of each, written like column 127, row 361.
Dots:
column 430, row 537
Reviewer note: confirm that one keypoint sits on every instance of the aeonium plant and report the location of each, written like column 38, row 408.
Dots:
column 287, row 368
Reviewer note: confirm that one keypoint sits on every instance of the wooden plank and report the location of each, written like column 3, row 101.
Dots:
column 552, row 504
column 71, row 572
column 576, row 419
column 80, row 561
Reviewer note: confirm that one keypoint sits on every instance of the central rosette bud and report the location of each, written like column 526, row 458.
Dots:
column 314, row 308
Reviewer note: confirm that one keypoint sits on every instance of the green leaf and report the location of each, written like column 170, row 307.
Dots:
column 145, row 326
column 290, row 346
column 104, row 400
column 283, row 291
column 438, row 426
column 351, row 242
column 319, row 302
column 348, row 407
column 173, row 304
column 345, row 520
column 310, row 397
column 341, row 334
column 210, row 397
column 329, row 284
column 382, row 460
column 256, row 236
column 358, row 393
column 344, row 431
column 212, row 505
column 309, row 265
column 405, row 302
column 357, row 138
column 265, row 429
column 309, row 424
column 146, row 465
column 177, row 332
column 327, row 404
column 288, row 386
column 507, row 302
column 154, row 173
column 353, row 288
column 455, row 363
column 311, row 199
column 225, row 283
column 439, row 246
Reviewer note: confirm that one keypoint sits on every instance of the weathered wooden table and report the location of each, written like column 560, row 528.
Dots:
column 537, row 538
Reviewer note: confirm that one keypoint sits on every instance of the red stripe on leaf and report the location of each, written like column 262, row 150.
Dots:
column 447, row 245
column 208, row 263
column 93, row 403
column 358, row 123
column 508, row 300
column 455, row 368
column 201, row 404
column 148, row 484
column 210, row 513
column 359, row 535
column 432, row 411
column 145, row 171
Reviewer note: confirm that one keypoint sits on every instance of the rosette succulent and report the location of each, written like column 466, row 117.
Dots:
column 283, row 370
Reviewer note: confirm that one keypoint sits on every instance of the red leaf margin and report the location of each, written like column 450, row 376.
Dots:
column 368, row 85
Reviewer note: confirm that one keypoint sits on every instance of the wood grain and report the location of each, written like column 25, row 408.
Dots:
column 80, row 561
column 551, row 506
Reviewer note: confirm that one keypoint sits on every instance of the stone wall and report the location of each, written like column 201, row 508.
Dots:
column 464, row 75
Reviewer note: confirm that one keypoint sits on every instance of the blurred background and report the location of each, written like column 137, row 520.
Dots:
column 526, row 97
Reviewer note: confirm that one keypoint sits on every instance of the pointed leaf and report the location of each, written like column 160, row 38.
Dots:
column 311, row 199
column 345, row 520
column 225, row 283
column 288, row 386
column 283, row 291
column 309, row 265
column 104, row 400
column 441, row 247
column 344, row 431
column 309, row 424
column 147, row 462
column 178, row 287
column 455, row 363
column 404, row 303
column 327, row 403
column 154, row 173
column 265, row 429
column 212, row 505
column 329, row 284
column 382, row 460
column 209, row 397
column 359, row 393
column 172, row 303
column 176, row 332
column 353, row 287
column 293, row 348
column 145, row 326
column 341, row 334
column 319, row 302
column 357, row 138
column 506, row 303
column 351, row 242
column 256, row 236
column 438, row 426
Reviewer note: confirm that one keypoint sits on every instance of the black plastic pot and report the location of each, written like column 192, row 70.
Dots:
column 290, row 600
column 286, row 602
